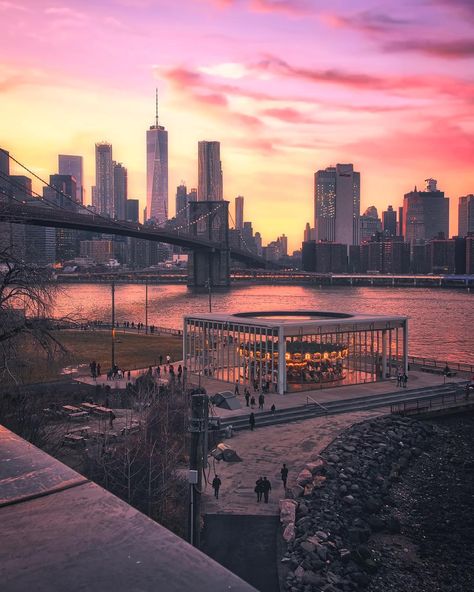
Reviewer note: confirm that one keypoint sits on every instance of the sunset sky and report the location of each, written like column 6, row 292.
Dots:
column 286, row 86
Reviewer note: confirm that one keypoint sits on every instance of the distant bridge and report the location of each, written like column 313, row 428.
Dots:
column 40, row 215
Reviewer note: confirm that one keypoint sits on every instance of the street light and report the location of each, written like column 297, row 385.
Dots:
column 208, row 285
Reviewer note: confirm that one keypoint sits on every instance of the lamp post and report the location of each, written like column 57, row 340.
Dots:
column 146, row 306
column 113, row 324
column 209, row 288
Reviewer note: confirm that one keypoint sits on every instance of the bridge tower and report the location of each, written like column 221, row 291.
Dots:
column 209, row 220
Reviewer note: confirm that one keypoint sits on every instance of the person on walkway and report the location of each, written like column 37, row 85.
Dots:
column 252, row 421
column 261, row 401
column 236, row 389
column 247, row 398
column 252, row 401
column 98, row 369
column 111, row 419
column 128, row 376
column 405, row 380
column 399, row 377
column 216, row 483
column 266, row 486
column 168, row 359
column 259, row 489
column 284, row 474
column 93, row 368
column 180, row 371
column 273, row 408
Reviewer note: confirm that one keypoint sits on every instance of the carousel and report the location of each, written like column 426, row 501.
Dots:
column 306, row 362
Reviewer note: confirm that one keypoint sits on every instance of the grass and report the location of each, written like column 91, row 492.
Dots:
column 131, row 351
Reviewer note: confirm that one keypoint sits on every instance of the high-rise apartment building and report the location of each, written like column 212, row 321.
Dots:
column 239, row 212
column 133, row 206
column 120, row 191
column 193, row 194
column 466, row 215
column 157, row 172
column 389, row 222
column 73, row 165
column 425, row 214
column 210, row 186
column 369, row 224
column 181, row 200
column 337, row 204
column 103, row 194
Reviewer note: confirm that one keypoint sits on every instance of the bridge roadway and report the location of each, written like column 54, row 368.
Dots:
column 40, row 215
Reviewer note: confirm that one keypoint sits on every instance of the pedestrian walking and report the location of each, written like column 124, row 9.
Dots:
column 261, row 401
column 284, row 474
column 98, row 369
column 252, row 421
column 273, row 408
column 266, row 486
column 259, row 489
column 405, row 380
column 168, row 359
column 247, row 398
column 216, row 484
column 252, row 401
column 236, row 389
column 128, row 375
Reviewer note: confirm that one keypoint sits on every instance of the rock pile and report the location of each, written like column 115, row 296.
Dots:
column 343, row 498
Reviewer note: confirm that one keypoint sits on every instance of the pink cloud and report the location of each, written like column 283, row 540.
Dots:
column 291, row 7
column 194, row 87
column 366, row 21
column 455, row 49
column 288, row 115
column 440, row 142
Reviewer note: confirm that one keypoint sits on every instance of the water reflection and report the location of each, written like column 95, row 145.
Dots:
column 440, row 320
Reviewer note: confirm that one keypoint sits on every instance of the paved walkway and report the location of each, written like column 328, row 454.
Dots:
column 263, row 452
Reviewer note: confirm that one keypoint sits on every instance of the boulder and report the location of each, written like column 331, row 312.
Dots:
column 287, row 511
column 304, row 477
column 289, row 532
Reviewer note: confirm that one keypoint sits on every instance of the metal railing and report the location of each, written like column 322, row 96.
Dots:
column 455, row 398
column 313, row 401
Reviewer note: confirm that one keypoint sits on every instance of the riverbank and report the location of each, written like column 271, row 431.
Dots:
column 387, row 507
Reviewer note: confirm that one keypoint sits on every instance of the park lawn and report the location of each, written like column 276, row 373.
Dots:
column 131, row 350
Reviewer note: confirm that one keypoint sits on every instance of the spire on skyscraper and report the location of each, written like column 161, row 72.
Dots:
column 156, row 107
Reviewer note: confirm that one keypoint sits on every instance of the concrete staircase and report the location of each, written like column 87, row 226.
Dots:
column 267, row 418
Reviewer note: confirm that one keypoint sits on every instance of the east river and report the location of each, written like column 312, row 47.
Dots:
column 441, row 322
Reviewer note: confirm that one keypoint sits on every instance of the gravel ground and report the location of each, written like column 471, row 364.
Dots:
column 434, row 502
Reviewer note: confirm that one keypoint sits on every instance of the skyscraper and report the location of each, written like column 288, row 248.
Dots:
column 337, row 204
column 389, row 222
column 239, row 212
column 209, row 172
column 369, row 224
column 157, row 172
column 181, row 200
column 466, row 215
column 120, row 191
column 425, row 214
column 133, row 206
column 103, row 195
column 73, row 165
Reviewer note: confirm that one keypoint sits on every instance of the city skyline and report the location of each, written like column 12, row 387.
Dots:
column 386, row 92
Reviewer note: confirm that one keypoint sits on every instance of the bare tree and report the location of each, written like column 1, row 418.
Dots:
column 27, row 296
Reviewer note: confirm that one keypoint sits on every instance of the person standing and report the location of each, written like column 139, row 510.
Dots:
column 261, row 401
column 236, row 389
column 252, row 402
column 284, row 474
column 252, row 421
column 247, row 398
column 98, row 369
column 266, row 486
column 216, row 483
column 405, row 380
column 259, row 489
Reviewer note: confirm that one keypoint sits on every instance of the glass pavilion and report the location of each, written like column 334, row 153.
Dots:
column 294, row 351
